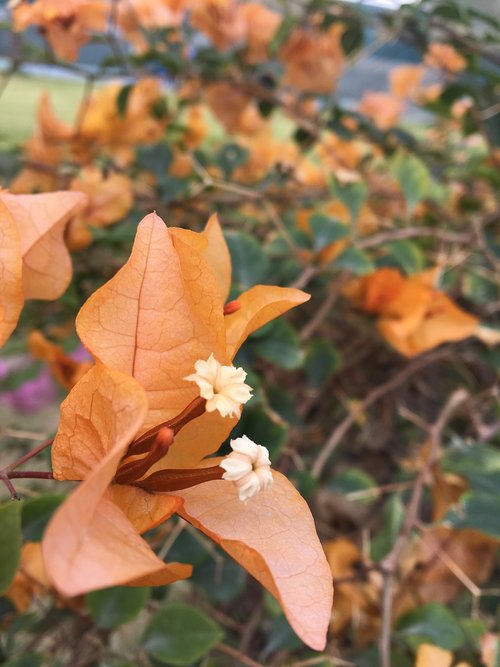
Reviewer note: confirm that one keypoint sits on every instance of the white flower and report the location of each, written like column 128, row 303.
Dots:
column 248, row 466
column 223, row 387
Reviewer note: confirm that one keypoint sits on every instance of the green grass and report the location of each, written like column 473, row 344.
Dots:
column 19, row 104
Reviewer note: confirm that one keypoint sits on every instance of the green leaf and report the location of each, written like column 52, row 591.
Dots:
column 27, row 660
column 281, row 346
column 36, row 514
column 114, row 606
column 250, row 264
column 282, row 34
column 180, row 635
column 413, row 177
column 10, row 542
column 231, row 156
column 478, row 511
column 122, row 99
column 479, row 464
column 353, row 480
column 432, row 624
column 259, row 427
column 393, row 517
column 157, row 158
column 354, row 260
column 222, row 579
column 322, row 360
column 353, row 195
column 326, row 230
column 407, row 255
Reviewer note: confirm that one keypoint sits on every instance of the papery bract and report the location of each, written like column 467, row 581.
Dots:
column 146, row 328
column 34, row 262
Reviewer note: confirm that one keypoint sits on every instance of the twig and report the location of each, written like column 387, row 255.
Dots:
column 391, row 561
column 237, row 655
column 375, row 395
column 412, row 232
column 325, row 308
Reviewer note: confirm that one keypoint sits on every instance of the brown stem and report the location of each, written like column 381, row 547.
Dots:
column 29, row 474
column 390, row 563
column 29, row 455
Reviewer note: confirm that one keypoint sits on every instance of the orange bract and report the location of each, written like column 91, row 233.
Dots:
column 146, row 328
column 34, row 262
column 313, row 59
column 68, row 25
column 415, row 316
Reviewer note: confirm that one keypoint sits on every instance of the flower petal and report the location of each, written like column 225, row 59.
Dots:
column 217, row 255
column 274, row 538
column 156, row 317
column 259, row 305
column 11, row 293
column 104, row 409
column 90, row 543
column 41, row 220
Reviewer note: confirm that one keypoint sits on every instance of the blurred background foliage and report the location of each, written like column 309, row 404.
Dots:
column 351, row 150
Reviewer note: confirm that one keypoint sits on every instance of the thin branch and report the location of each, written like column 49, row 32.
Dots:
column 391, row 561
column 375, row 395
column 237, row 655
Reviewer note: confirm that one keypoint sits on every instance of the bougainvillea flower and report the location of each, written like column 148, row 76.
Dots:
column 136, row 430
column 67, row 25
column 34, row 262
column 109, row 200
column 313, row 59
column 415, row 316
column 383, row 109
column 445, row 56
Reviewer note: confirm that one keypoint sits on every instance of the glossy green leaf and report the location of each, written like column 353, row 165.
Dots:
column 10, row 542
column 431, row 624
column 326, row 230
column 280, row 345
column 322, row 360
column 249, row 262
column 354, row 260
column 36, row 513
column 478, row 511
column 180, row 635
column 413, row 177
column 407, row 255
column 392, row 521
column 114, row 606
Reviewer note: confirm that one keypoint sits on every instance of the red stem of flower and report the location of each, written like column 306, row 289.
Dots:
column 133, row 470
column 175, row 479
column 29, row 474
column 143, row 444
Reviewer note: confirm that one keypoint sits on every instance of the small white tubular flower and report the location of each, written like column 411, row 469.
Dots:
column 248, row 466
column 223, row 387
